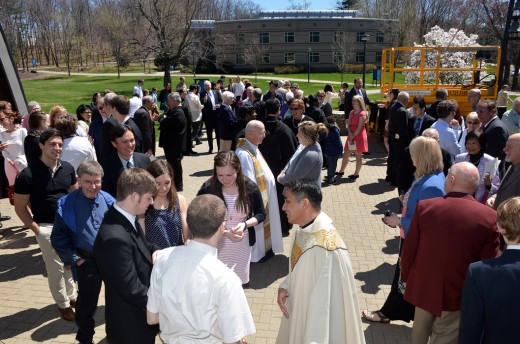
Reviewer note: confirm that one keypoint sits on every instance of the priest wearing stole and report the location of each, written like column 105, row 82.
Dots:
column 318, row 298
column 269, row 232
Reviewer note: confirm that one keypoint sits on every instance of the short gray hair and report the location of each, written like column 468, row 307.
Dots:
column 32, row 105
column 476, row 92
column 516, row 101
column 175, row 96
column 90, row 167
column 226, row 95
column 147, row 100
column 257, row 93
column 108, row 97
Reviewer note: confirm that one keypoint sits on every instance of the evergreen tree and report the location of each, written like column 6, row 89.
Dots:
column 346, row 4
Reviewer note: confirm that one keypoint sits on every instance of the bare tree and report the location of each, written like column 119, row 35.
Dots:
column 297, row 5
column 342, row 51
column 254, row 55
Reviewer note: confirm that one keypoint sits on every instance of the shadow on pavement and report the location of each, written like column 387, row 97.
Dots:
column 375, row 161
column 21, row 264
column 387, row 333
column 392, row 245
column 393, row 204
column 264, row 274
column 205, row 173
column 15, row 238
column 376, row 188
column 383, row 274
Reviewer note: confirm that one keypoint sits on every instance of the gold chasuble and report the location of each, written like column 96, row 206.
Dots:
column 262, row 186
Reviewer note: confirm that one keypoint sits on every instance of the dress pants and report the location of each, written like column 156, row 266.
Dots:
column 89, row 285
column 438, row 330
column 212, row 125
column 176, row 161
column 59, row 278
column 196, row 128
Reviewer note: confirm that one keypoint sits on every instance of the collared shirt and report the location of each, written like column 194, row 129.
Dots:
column 485, row 126
column 129, row 216
column 198, row 298
column 125, row 162
column 89, row 215
column 513, row 247
column 418, row 126
column 45, row 187
column 211, row 96
column 447, row 137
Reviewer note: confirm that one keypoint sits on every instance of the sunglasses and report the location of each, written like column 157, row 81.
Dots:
column 472, row 122
column 293, row 109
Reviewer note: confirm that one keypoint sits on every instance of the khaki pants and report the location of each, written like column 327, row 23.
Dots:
column 439, row 330
column 59, row 278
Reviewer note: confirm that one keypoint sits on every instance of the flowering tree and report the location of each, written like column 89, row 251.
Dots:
column 437, row 37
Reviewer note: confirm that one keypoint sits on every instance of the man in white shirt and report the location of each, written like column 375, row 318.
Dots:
column 448, row 138
column 195, row 107
column 138, row 89
column 193, row 296
column 512, row 118
column 239, row 90
column 503, row 100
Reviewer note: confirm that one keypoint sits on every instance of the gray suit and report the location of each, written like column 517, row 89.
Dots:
column 510, row 185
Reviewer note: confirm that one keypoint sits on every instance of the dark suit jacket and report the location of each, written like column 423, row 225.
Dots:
column 509, row 186
column 137, row 135
column 445, row 236
column 398, row 124
column 432, row 110
column 426, row 123
column 490, row 301
column 173, row 130
column 113, row 168
column 279, row 144
column 497, row 136
column 143, row 120
column 348, row 100
column 106, row 145
column 95, row 131
column 208, row 114
column 226, row 122
column 124, row 260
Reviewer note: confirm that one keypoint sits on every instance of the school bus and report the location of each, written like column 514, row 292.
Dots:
column 457, row 69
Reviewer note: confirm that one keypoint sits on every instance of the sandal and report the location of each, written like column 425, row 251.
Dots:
column 374, row 316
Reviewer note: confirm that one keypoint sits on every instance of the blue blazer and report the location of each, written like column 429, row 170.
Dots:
column 429, row 186
column 490, row 301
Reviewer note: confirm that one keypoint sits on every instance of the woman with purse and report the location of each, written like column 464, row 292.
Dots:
column 245, row 209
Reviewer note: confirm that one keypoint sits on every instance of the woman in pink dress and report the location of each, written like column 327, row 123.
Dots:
column 245, row 209
column 357, row 141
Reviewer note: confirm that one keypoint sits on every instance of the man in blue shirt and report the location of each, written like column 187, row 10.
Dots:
column 447, row 137
column 77, row 223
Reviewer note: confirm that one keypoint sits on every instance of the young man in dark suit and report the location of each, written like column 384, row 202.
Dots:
column 495, row 129
column 420, row 120
column 211, row 99
column 122, row 138
column 356, row 90
column 490, row 296
column 144, row 121
column 124, row 260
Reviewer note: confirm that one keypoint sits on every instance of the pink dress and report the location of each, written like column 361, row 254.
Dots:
column 361, row 139
column 236, row 255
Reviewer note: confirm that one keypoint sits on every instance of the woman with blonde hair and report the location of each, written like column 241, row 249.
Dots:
column 307, row 161
column 428, row 183
column 472, row 124
column 357, row 141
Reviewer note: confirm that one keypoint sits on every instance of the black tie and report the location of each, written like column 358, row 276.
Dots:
column 138, row 227
column 128, row 165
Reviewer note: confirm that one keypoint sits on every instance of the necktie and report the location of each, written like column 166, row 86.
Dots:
column 128, row 165
column 417, row 126
column 138, row 227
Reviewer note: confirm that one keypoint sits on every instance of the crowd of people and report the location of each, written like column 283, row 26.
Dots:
column 105, row 209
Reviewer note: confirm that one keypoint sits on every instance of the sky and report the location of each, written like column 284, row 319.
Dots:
column 282, row 5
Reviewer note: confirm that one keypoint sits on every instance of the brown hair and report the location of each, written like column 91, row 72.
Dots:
column 135, row 180
column 66, row 124
column 223, row 159
column 158, row 168
column 205, row 215
column 508, row 217
column 313, row 130
column 56, row 111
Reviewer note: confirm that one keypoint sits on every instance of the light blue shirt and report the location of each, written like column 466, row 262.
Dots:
column 125, row 162
column 447, row 138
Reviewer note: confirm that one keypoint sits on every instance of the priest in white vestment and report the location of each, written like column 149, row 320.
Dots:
column 318, row 298
column 269, row 232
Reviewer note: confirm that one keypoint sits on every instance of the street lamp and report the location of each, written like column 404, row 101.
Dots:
column 309, row 65
column 511, row 32
column 364, row 38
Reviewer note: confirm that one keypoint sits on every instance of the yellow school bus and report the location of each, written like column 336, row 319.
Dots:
column 456, row 69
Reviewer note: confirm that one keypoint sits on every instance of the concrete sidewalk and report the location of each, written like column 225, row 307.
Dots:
column 28, row 313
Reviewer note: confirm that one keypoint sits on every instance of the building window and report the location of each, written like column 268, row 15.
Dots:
column 240, row 38
column 266, row 59
column 289, row 37
column 314, row 57
column 263, row 37
column 380, row 37
column 240, row 59
column 314, row 37
column 379, row 57
column 289, row 58
column 358, row 37
column 360, row 57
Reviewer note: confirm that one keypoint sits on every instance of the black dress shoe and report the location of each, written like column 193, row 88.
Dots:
column 5, row 218
column 354, row 176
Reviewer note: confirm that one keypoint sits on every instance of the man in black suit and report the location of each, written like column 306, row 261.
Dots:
column 440, row 95
column 490, row 296
column 495, row 129
column 356, row 90
column 124, row 260
column 122, row 138
column 420, row 120
column 108, row 122
column 398, row 138
column 145, row 123
column 211, row 99
column 172, row 139
column 120, row 108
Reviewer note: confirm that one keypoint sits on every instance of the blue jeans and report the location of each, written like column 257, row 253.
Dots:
column 332, row 164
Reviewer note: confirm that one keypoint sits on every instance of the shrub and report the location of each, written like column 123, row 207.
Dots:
column 289, row 69
column 358, row 68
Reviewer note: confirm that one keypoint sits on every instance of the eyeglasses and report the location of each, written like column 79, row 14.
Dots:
column 87, row 112
column 321, row 96
column 468, row 122
column 294, row 109
column 3, row 119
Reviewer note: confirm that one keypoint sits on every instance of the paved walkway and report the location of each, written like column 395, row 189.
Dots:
column 28, row 314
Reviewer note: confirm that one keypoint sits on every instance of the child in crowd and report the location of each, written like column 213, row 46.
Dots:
column 333, row 149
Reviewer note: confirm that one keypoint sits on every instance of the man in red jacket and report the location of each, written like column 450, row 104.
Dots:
column 446, row 235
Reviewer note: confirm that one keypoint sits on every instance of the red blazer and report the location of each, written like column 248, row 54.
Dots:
column 446, row 235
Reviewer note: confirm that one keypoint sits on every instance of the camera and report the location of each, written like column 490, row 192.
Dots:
column 388, row 213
